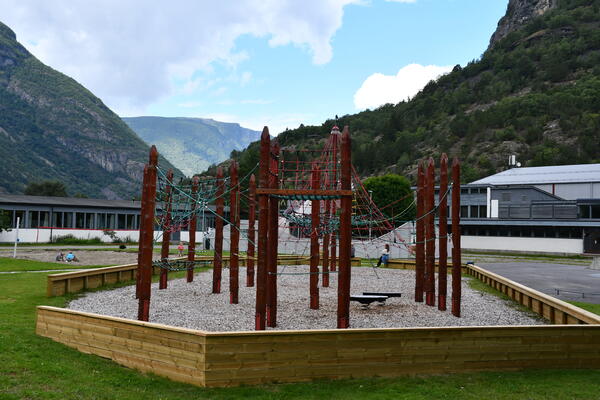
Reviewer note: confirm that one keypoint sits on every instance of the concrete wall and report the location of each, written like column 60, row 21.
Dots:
column 545, row 245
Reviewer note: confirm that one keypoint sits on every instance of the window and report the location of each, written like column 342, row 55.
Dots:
column 585, row 211
column 464, row 211
column 68, row 220
column 482, row 211
column 111, row 221
column 474, row 211
column 101, row 221
column 89, row 220
column 57, row 219
column 596, row 211
column 121, row 221
column 464, row 191
column 130, row 221
column 79, row 220
column 21, row 215
column 34, row 221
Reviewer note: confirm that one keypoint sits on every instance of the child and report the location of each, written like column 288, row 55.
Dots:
column 385, row 255
column 180, row 249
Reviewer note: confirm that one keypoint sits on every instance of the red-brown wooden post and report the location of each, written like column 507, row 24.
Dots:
column 344, row 275
column 334, row 156
column 143, row 206
column 191, row 256
column 263, row 218
column 443, row 238
column 166, row 236
column 218, row 258
column 272, row 238
column 430, row 235
column 326, row 237
column 314, row 240
column 456, row 249
column 251, row 235
column 420, row 239
column 234, row 230
column 147, row 236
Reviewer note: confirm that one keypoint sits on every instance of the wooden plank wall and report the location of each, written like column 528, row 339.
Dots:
column 72, row 282
column 235, row 358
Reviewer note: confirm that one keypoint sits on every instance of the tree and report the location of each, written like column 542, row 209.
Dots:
column 5, row 222
column 46, row 188
column 388, row 189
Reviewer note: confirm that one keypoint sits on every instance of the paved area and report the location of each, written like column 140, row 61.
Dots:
column 564, row 280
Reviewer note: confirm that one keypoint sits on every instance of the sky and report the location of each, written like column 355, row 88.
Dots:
column 278, row 63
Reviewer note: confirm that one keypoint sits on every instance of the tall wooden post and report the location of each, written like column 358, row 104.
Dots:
column 420, row 239
column 443, row 237
column 334, row 232
column 218, row 258
column 147, row 236
column 326, row 238
column 234, row 230
column 251, row 235
column 456, row 250
column 263, row 218
column 164, row 252
column 314, row 240
column 344, row 275
column 191, row 256
column 430, row 235
column 272, row 237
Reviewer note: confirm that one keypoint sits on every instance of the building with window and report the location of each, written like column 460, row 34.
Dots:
column 547, row 209
column 43, row 219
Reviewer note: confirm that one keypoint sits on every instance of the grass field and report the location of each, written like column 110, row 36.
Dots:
column 32, row 367
column 16, row 264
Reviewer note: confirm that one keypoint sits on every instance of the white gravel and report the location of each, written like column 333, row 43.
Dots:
column 191, row 305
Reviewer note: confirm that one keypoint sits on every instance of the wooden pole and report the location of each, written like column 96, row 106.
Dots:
column 326, row 242
column 251, row 233
column 333, row 255
column 443, row 238
column 430, row 234
column 147, row 236
column 263, row 218
column 234, row 226
column 456, row 249
column 218, row 258
column 191, row 256
column 272, row 237
column 166, row 236
column 420, row 246
column 143, row 211
column 344, row 275
column 314, row 240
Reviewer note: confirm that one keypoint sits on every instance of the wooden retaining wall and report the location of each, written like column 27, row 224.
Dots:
column 228, row 359
column 72, row 282
column 554, row 310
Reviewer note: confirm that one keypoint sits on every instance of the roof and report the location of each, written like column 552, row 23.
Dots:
column 67, row 201
column 580, row 173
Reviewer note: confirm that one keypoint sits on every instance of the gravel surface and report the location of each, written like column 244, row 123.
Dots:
column 191, row 305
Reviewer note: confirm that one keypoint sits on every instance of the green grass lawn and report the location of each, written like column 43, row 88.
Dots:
column 33, row 367
column 595, row 308
column 16, row 264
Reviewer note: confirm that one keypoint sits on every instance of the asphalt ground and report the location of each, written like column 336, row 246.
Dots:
column 566, row 280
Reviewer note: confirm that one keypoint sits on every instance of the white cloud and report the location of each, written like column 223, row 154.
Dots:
column 401, row 1
column 130, row 52
column 276, row 124
column 379, row 89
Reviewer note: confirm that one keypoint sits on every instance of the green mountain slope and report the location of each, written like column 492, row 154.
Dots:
column 534, row 93
column 51, row 127
column 192, row 144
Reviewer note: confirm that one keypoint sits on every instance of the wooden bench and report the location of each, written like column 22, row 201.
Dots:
column 386, row 294
column 366, row 300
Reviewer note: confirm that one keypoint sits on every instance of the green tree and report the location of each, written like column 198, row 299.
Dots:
column 388, row 189
column 46, row 188
column 5, row 222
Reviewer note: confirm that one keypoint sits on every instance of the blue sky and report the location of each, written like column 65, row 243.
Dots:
column 278, row 62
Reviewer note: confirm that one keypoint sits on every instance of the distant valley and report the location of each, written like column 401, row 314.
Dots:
column 192, row 144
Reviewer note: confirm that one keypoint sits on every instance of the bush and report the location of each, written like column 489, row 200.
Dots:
column 72, row 240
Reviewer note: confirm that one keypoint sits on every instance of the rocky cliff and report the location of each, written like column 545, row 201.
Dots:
column 518, row 13
column 51, row 127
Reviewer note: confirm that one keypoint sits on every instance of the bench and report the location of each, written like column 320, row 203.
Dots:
column 386, row 294
column 366, row 300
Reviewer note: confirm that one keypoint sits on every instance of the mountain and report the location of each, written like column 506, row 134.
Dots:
column 534, row 93
column 192, row 144
column 51, row 127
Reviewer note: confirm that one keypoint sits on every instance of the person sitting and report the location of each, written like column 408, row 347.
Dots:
column 71, row 257
column 60, row 256
column 385, row 255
